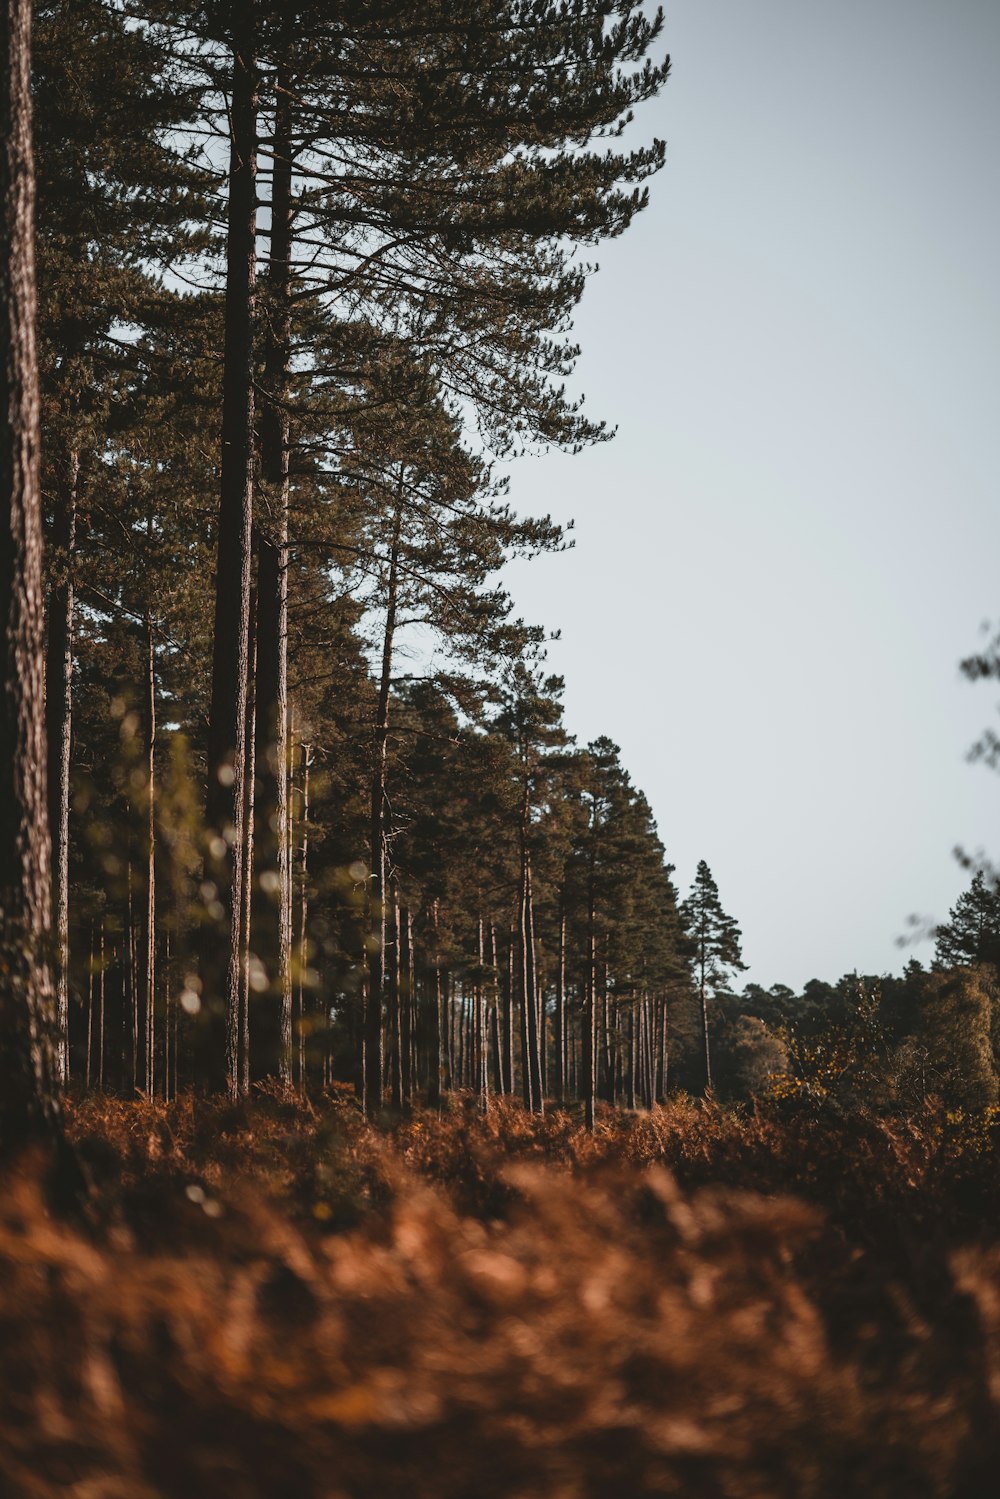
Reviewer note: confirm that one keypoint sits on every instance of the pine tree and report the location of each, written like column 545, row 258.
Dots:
column 30, row 1107
column 110, row 204
column 715, row 943
column 972, row 933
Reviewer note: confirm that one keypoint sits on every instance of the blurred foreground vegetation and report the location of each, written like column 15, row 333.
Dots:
column 274, row 1297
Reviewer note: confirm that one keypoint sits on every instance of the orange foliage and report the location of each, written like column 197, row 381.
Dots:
column 280, row 1300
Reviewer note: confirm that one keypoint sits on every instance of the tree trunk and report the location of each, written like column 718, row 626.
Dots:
column 533, row 1062
column 149, row 959
column 91, row 985
column 168, row 1007
column 647, row 1050
column 588, row 1059
column 377, row 838
column 101, row 995
column 272, row 1043
column 633, row 1055
column 560, row 1015
column 395, row 1006
column 495, row 1050
column 661, row 1079
column 248, row 961
column 227, row 721
column 29, row 1100
column 508, row 1019
column 540, row 1025
column 529, row 1029
column 449, row 1045
column 130, row 1016
column 704, row 1022
column 406, row 999
column 482, row 1074
column 437, row 1026
column 303, row 962
column 607, row 1055
column 59, row 721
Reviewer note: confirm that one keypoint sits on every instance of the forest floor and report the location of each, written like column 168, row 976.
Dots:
column 278, row 1300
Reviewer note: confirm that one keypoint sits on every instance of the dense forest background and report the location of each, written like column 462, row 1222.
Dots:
column 315, row 814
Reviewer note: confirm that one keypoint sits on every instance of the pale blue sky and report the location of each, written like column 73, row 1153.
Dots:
column 795, row 537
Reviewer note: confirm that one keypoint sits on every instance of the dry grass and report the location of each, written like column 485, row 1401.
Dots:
column 277, row 1300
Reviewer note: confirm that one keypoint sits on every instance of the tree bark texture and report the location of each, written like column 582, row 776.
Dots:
column 149, row 925
column 29, row 1106
column 560, row 1014
column 227, row 722
column 704, row 1020
column 272, row 1029
column 247, row 966
column 374, row 1050
column 533, row 1094
column 59, row 721
column 588, row 1057
column 303, row 955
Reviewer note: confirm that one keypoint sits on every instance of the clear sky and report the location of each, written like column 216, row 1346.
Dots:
column 795, row 536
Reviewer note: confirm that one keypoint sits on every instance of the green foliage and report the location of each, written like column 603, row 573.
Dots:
column 713, row 936
column 972, row 933
column 845, row 1064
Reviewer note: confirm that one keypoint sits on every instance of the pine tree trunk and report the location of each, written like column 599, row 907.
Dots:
column 704, row 1021
column 495, row 1050
column 297, row 1017
column 540, row 1025
column 606, row 1057
column 406, row 1028
column 227, row 721
column 247, row 936
column 647, row 1073
column 118, row 1013
column 414, row 1017
column 303, row 963
column 573, row 1058
column 524, row 1039
column 101, row 995
column 482, row 1075
column 588, row 1058
column 130, row 1019
column 449, row 1048
column 529, row 1030
column 508, row 1019
column 642, row 1053
column 394, row 1006
column 168, row 1006
column 149, row 924
column 377, row 839
column 91, row 986
column 149, row 960
column 59, row 721
column 437, row 1026
column 633, row 1056
column 272, row 1044
column 560, row 1015
column 29, row 1099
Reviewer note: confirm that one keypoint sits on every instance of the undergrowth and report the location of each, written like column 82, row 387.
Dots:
column 277, row 1299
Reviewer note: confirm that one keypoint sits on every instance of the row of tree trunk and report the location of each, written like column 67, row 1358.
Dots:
column 441, row 1030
